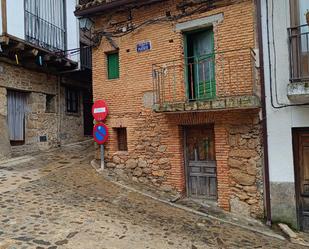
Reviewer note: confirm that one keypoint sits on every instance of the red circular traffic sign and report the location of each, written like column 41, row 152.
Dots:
column 100, row 133
column 99, row 110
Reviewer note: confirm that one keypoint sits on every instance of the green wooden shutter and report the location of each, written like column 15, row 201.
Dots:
column 113, row 66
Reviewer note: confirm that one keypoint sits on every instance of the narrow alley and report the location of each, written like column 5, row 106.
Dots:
column 55, row 199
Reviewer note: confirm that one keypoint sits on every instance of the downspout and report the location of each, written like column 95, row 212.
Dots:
column 264, row 116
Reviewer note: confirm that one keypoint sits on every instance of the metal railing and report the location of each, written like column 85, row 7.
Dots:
column 299, row 53
column 221, row 74
column 43, row 33
column 86, row 57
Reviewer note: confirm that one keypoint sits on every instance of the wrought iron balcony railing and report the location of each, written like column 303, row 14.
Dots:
column 299, row 53
column 86, row 57
column 43, row 33
column 206, row 78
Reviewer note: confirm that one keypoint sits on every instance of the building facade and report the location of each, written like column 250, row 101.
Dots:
column 45, row 86
column 285, row 39
column 181, row 82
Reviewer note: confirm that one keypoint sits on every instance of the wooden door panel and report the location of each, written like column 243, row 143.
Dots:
column 301, row 158
column 201, row 165
column 16, row 115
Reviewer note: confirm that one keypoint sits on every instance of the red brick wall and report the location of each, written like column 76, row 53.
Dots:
column 157, row 138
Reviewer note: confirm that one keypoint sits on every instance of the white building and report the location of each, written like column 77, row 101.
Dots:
column 286, row 65
column 45, row 78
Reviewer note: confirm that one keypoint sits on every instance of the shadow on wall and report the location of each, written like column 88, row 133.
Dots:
column 5, row 147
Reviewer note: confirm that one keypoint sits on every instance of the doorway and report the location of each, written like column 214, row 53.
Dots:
column 200, row 162
column 301, row 165
column 87, row 106
column 17, row 102
column 200, row 68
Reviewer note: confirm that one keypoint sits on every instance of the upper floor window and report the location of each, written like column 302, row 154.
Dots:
column 44, row 23
column 299, row 40
column 113, row 66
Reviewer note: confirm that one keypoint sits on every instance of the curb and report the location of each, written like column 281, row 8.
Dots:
column 269, row 234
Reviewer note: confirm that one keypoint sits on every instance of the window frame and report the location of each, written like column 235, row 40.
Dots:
column 114, row 75
column 72, row 106
column 122, row 138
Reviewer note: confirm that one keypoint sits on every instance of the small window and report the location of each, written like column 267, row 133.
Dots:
column 50, row 103
column 122, row 139
column 72, row 100
column 113, row 66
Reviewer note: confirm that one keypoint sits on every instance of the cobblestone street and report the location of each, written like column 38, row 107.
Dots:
column 56, row 200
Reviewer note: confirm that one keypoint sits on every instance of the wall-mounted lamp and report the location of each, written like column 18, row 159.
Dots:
column 86, row 24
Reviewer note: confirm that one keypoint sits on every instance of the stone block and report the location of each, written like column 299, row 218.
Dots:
column 242, row 178
column 131, row 164
column 138, row 172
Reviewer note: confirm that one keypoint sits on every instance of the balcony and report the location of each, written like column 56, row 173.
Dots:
column 219, row 81
column 86, row 57
column 44, row 34
column 298, row 89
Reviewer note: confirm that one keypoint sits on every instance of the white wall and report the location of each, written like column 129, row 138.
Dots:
column 15, row 18
column 72, row 28
column 280, row 121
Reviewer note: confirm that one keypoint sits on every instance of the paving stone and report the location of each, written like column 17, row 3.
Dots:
column 74, row 207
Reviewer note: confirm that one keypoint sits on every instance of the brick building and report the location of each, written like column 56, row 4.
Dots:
column 45, row 84
column 181, row 82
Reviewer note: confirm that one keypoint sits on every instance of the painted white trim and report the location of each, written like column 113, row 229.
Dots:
column 200, row 23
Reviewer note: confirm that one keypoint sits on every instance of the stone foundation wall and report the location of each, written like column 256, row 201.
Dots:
column 155, row 154
column 245, row 162
column 41, row 120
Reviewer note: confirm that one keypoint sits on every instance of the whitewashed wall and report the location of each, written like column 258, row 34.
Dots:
column 15, row 18
column 73, row 28
column 280, row 121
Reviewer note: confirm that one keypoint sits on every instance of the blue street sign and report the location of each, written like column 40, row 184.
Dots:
column 100, row 133
column 143, row 46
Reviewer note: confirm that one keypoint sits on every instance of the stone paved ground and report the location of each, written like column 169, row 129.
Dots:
column 58, row 201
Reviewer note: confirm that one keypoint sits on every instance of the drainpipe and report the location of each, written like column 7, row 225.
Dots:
column 264, row 116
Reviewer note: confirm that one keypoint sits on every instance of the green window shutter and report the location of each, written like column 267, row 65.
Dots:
column 113, row 66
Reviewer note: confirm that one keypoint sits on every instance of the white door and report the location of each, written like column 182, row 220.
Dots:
column 17, row 102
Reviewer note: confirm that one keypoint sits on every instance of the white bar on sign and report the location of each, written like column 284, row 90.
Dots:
column 99, row 110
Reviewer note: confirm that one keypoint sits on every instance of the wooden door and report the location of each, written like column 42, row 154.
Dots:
column 301, row 158
column 200, row 70
column 17, row 102
column 200, row 162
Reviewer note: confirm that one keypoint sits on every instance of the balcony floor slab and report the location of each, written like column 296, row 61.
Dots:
column 227, row 103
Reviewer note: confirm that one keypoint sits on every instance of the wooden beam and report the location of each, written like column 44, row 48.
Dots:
column 17, row 47
column 4, row 40
column 4, row 17
column 31, row 52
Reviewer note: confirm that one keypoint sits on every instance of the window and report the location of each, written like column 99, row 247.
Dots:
column 298, row 38
column 72, row 100
column 113, row 66
column 122, row 139
column 50, row 103
column 45, row 23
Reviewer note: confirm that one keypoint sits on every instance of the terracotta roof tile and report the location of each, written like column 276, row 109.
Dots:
column 85, row 4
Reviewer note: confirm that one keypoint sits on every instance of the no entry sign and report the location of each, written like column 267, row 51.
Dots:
column 99, row 110
column 100, row 133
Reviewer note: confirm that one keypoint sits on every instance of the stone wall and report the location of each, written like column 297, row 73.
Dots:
column 5, row 148
column 42, row 118
column 245, row 162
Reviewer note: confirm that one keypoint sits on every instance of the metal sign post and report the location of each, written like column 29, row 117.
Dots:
column 102, row 156
column 100, row 130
